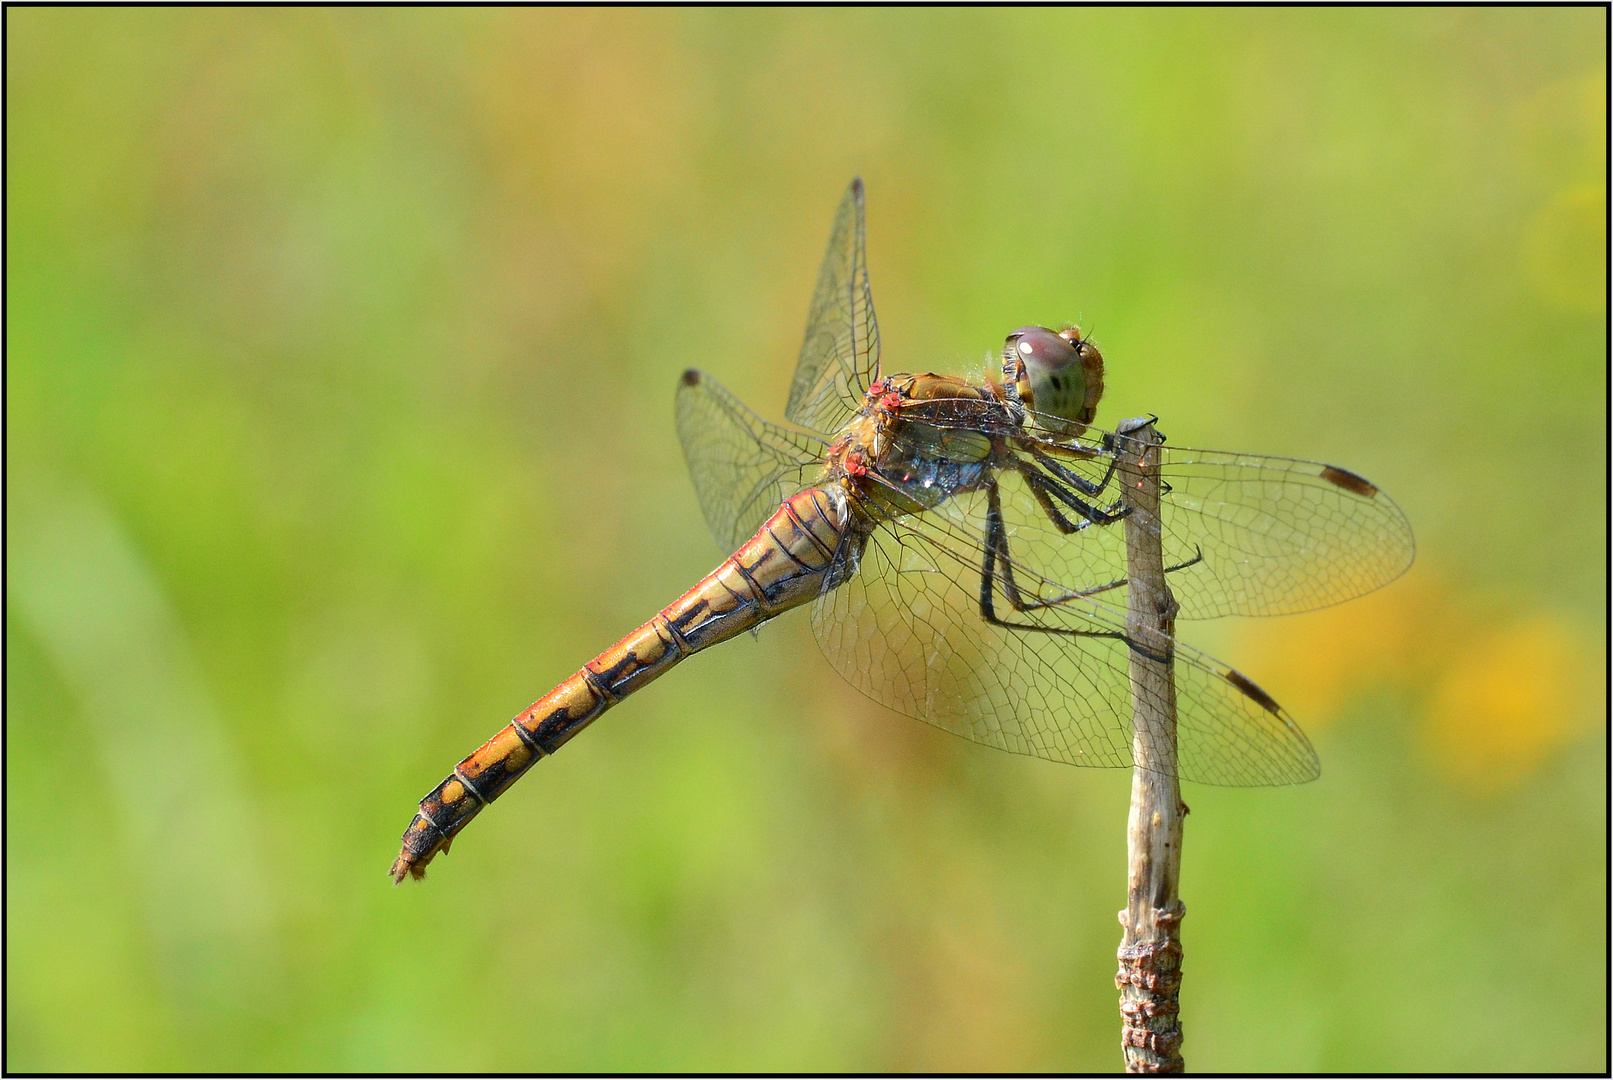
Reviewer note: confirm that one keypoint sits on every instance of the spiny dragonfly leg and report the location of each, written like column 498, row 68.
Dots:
column 1073, row 449
column 997, row 553
column 1046, row 489
column 1095, row 590
column 1137, row 423
column 1080, row 483
column 1198, row 557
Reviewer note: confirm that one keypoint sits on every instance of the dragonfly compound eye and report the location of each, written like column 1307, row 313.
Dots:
column 1056, row 373
column 1092, row 368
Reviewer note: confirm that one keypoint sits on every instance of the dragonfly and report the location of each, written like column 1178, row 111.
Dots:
column 960, row 544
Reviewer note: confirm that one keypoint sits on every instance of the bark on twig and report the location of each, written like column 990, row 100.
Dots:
column 1150, row 955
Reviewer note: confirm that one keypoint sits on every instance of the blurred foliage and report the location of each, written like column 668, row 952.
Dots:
column 341, row 348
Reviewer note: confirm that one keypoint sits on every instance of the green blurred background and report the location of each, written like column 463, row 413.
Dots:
column 342, row 347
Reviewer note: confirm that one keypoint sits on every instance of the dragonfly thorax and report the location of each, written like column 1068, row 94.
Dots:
column 903, row 464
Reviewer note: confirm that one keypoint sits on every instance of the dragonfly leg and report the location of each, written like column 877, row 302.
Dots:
column 1042, row 450
column 1046, row 489
column 1082, row 594
column 1080, row 483
column 997, row 554
column 1060, row 522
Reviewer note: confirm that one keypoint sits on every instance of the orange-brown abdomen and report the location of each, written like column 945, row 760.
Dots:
column 783, row 566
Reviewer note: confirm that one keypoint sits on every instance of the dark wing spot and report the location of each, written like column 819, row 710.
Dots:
column 1261, row 698
column 1347, row 480
column 691, row 377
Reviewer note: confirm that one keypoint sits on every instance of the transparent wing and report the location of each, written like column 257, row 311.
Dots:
column 1278, row 535
column 840, row 355
column 908, row 630
column 1247, row 534
column 742, row 466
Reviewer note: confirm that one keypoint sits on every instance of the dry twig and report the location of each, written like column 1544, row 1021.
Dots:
column 1150, row 955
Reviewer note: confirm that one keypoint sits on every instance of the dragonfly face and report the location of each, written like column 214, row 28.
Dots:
column 1056, row 373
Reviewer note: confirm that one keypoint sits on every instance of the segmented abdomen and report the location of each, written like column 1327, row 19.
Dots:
column 781, row 567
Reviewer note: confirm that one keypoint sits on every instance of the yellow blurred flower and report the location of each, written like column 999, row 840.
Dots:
column 1502, row 691
column 1315, row 663
column 1507, row 701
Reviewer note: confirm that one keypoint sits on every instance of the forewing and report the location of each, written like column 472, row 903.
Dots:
column 1278, row 535
column 742, row 466
column 907, row 630
column 1242, row 534
column 840, row 355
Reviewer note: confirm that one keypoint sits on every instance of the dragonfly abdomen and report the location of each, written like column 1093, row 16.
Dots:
column 782, row 566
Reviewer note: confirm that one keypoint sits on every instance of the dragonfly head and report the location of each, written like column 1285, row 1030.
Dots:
column 1059, row 373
